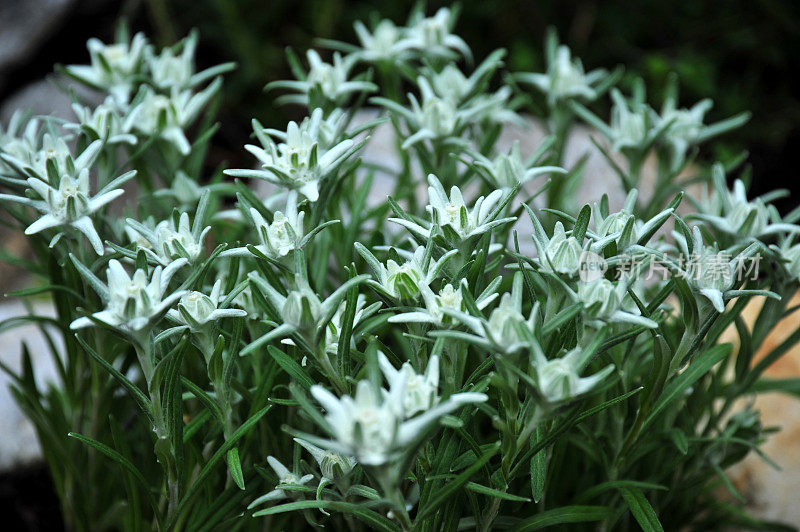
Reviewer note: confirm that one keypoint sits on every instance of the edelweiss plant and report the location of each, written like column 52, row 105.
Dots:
column 492, row 356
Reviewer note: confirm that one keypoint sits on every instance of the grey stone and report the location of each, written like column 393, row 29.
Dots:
column 40, row 98
column 18, row 443
column 24, row 24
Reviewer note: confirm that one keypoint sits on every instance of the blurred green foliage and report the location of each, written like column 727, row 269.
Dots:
column 741, row 53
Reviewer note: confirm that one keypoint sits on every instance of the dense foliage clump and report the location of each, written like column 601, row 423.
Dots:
column 283, row 346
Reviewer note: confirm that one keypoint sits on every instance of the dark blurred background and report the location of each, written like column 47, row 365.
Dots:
column 745, row 54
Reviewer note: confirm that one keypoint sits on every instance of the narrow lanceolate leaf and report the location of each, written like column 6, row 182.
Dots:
column 538, row 467
column 582, row 223
column 343, row 351
column 235, row 467
column 790, row 385
column 641, row 509
column 373, row 519
column 124, row 462
column 561, row 516
column 678, row 437
column 197, row 482
column 704, row 362
column 141, row 399
column 291, row 367
column 494, row 493
column 96, row 284
column 555, row 433
column 617, row 484
column 449, row 489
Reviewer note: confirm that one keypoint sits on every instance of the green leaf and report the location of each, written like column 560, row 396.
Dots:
column 125, row 463
column 560, row 516
column 243, row 430
column 690, row 375
column 582, row 223
column 641, row 509
column 538, row 467
column 141, row 399
column 495, row 494
column 617, row 484
column 135, row 511
column 678, row 437
column 203, row 397
column 554, row 434
column 373, row 519
column 96, row 284
column 26, row 292
column 790, row 386
column 291, row 367
column 235, row 467
column 343, row 351
column 562, row 318
column 451, row 487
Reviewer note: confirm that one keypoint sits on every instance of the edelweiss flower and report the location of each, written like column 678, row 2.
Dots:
column 48, row 159
column 66, row 202
column 711, row 272
column 103, row 122
column 634, row 126
column 173, row 239
column 404, row 281
column 114, row 67
column 451, row 212
column 565, row 78
column 332, row 465
column 507, row 170
column 732, row 213
column 166, row 117
column 21, row 139
column 375, row 427
column 630, row 126
column 170, row 70
column 284, row 477
column 685, row 127
column 133, row 303
column 383, row 44
column 196, row 309
column 466, row 93
column 185, row 191
column 326, row 81
column 559, row 253
column 452, row 84
column 789, row 256
column 507, row 330
column 302, row 310
column 420, row 391
column 604, row 302
column 559, row 379
column 436, row 118
column 299, row 162
column 432, row 36
column 447, row 298
column 284, row 235
column 333, row 330
column 622, row 226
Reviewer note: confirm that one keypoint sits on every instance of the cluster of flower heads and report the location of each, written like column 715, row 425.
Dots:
column 151, row 96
